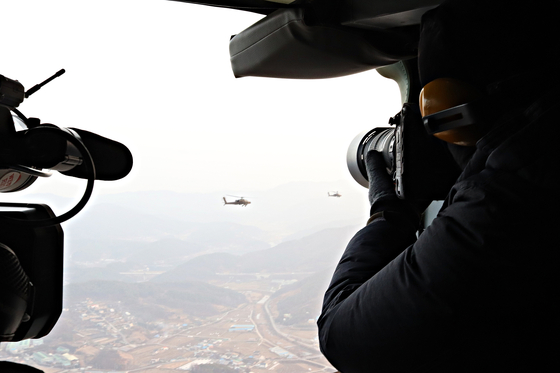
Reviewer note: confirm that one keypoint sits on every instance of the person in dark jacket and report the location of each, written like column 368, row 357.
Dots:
column 478, row 290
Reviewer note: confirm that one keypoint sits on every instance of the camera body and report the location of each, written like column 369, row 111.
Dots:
column 31, row 290
column 421, row 166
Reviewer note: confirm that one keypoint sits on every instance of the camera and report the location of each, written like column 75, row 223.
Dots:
column 421, row 166
column 31, row 238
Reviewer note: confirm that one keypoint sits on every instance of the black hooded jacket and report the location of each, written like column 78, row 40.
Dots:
column 478, row 291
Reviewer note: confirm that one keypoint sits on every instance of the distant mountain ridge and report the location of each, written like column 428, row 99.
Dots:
column 151, row 301
column 281, row 211
column 108, row 232
column 289, row 211
column 307, row 255
column 294, row 231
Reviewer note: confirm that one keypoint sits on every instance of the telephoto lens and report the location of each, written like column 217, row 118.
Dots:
column 381, row 139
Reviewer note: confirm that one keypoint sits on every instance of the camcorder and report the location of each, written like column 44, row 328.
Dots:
column 31, row 238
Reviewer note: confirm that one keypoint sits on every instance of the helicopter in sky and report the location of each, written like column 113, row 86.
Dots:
column 240, row 201
column 334, row 194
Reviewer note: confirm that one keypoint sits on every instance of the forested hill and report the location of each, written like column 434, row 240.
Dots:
column 310, row 254
column 154, row 300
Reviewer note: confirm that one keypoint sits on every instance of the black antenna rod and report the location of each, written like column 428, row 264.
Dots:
column 37, row 87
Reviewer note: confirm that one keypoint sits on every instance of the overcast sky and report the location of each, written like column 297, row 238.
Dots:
column 156, row 76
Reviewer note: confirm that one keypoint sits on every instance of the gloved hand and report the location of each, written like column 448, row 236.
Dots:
column 381, row 186
column 383, row 198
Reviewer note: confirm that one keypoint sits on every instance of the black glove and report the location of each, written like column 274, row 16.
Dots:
column 382, row 196
column 381, row 186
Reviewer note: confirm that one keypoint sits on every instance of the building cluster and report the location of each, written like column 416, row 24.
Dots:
column 30, row 352
column 108, row 338
column 99, row 327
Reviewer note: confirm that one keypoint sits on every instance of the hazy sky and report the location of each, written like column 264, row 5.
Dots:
column 156, row 76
